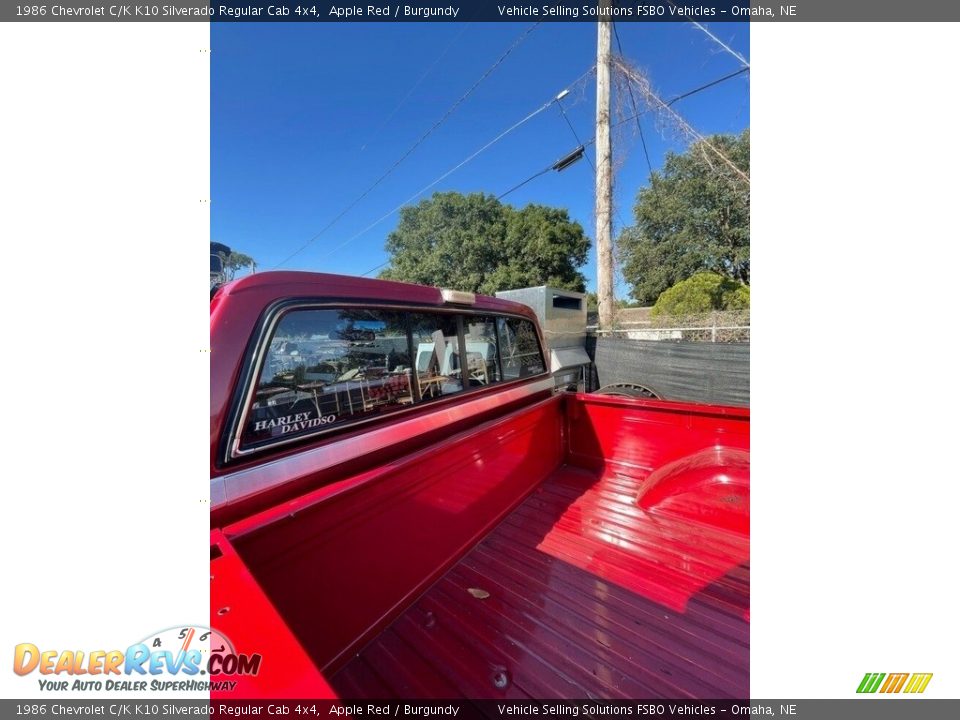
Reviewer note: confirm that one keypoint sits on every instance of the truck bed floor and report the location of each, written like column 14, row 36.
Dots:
column 578, row 593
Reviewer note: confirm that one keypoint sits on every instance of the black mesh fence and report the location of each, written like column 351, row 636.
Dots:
column 717, row 373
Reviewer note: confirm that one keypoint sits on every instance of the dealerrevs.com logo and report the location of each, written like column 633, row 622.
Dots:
column 183, row 659
column 909, row 683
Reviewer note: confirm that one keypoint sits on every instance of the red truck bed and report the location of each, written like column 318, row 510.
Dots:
column 581, row 547
column 581, row 595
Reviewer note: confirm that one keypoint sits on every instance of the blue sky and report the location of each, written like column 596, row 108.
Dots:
column 305, row 117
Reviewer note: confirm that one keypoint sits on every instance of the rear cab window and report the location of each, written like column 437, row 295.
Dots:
column 325, row 369
column 520, row 348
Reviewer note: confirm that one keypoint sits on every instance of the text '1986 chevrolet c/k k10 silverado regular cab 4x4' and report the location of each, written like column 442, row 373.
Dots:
column 403, row 505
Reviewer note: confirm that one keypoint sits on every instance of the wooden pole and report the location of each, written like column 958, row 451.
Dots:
column 603, row 208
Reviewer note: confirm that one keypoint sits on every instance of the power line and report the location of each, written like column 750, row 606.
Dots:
column 547, row 169
column 417, row 84
column 633, row 102
column 385, row 262
column 415, row 145
column 687, row 94
column 653, row 99
column 456, row 167
column 673, row 100
column 569, row 124
column 718, row 41
column 721, row 43
column 438, row 180
column 575, row 135
column 589, row 160
column 544, row 171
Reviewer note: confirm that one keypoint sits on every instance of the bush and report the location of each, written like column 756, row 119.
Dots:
column 702, row 293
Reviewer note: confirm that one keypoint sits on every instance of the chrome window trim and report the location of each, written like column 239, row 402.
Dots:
column 233, row 449
column 241, row 484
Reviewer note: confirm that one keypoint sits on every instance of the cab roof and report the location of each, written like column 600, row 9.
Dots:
column 273, row 286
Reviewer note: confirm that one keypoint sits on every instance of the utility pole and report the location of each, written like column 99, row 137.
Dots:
column 603, row 208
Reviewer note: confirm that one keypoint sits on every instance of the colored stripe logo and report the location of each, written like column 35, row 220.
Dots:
column 894, row 682
column 918, row 683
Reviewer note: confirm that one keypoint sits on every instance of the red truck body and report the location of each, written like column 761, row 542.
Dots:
column 506, row 541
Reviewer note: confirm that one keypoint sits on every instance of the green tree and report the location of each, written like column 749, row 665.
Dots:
column 237, row 261
column 476, row 243
column 700, row 293
column 694, row 216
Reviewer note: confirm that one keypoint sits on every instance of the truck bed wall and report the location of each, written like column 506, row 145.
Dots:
column 634, row 437
column 339, row 570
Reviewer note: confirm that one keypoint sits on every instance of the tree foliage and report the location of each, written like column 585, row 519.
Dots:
column 236, row 261
column 700, row 293
column 476, row 243
column 694, row 216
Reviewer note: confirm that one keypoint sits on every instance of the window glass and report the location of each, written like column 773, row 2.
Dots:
column 481, row 337
column 328, row 367
column 519, row 348
column 436, row 345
